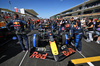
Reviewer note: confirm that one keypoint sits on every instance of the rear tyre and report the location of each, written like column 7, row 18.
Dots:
column 63, row 39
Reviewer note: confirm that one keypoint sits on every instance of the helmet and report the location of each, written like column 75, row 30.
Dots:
column 95, row 19
column 45, row 25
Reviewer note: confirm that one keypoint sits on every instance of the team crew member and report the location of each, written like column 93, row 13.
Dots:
column 33, row 23
column 20, row 31
column 62, row 25
column 38, row 21
column 30, row 24
column 90, row 30
column 78, row 35
column 71, row 21
column 68, row 28
column 55, row 24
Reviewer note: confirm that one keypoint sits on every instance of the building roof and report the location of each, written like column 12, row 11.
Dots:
column 91, row 8
column 6, row 10
column 11, row 11
column 31, row 11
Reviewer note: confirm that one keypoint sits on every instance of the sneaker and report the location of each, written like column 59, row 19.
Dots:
column 23, row 50
column 98, row 42
column 91, row 39
column 87, row 40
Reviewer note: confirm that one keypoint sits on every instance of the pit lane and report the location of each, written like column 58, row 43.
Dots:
column 14, row 55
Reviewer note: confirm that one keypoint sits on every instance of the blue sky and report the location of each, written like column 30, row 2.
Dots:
column 45, row 8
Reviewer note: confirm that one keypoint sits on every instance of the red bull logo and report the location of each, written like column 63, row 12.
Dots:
column 16, row 24
column 38, row 55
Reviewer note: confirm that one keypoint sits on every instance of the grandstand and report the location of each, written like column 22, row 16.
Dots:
column 89, row 8
column 29, row 12
column 6, row 15
column 26, row 13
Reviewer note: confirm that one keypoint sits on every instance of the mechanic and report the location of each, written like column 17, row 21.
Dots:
column 19, row 30
column 69, row 30
column 77, row 34
column 71, row 21
column 61, row 26
column 55, row 24
column 40, row 23
column 33, row 23
column 30, row 24
column 37, row 23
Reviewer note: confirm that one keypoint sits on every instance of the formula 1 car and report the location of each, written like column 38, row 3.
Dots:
column 47, row 46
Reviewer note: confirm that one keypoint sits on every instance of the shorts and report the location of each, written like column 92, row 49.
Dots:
column 90, row 32
column 97, row 33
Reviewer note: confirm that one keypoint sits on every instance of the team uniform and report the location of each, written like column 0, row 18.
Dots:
column 77, row 31
column 69, row 34
column 20, row 32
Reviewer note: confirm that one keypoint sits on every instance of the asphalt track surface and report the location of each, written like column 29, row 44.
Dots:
column 13, row 56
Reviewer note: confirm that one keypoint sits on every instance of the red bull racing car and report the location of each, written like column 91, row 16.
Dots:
column 46, row 45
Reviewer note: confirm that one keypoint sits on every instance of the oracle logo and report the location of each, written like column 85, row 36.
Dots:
column 70, row 51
